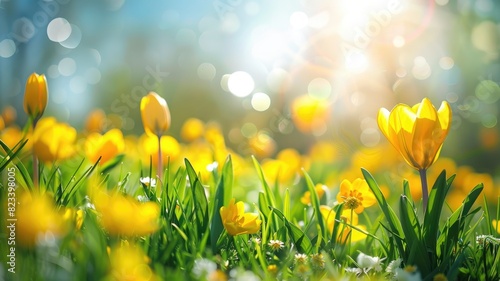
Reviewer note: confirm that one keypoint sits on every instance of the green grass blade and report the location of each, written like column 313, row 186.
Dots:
column 224, row 190
column 392, row 219
column 315, row 204
column 434, row 207
column 303, row 243
column 267, row 190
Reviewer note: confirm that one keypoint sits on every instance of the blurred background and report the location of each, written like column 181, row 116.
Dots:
column 287, row 72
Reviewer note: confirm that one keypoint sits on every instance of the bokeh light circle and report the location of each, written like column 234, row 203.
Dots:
column 7, row 48
column 319, row 88
column 58, row 30
column 67, row 66
column 240, row 84
column 206, row 71
column 261, row 102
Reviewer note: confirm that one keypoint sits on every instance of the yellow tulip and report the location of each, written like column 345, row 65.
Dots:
column 123, row 215
column 106, row 146
column 9, row 115
column 417, row 132
column 309, row 114
column 236, row 221
column 148, row 146
column 37, row 215
column 155, row 114
column 35, row 95
column 129, row 262
column 53, row 140
column 192, row 129
column 96, row 120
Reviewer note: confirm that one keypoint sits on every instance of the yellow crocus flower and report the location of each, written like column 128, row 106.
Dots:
column 356, row 195
column 53, row 140
column 155, row 114
column 236, row 221
column 348, row 217
column 129, row 262
column 106, row 146
column 123, row 215
column 35, row 95
column 417, row 132
column 192, row 129
column 36, row 216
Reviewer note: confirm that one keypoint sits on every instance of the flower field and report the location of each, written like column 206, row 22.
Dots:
column 246, row 140
column 96, row 205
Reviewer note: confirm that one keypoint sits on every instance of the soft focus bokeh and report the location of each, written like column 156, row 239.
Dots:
column 274, row 74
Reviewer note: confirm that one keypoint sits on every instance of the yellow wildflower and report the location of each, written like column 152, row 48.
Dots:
column 192, row 129
column 356, row 195
column 9, row 115
column 320, row 190
column 123, row 215
column 53, row 140
column 236, row 221
column 105, row 146
column 96, row 121
column 128, row 262
column 37, row 215
column 309, row 114
column 348, row 217
column 149, row 147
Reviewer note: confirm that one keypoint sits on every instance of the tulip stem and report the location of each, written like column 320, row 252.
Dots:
column 160, row 164
column 35, row 161
column 425, row 193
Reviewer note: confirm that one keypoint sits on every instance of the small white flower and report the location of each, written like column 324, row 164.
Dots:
column 300, row 258
column 203, row 267
column 368, row 262
column 354, row 270
column 409, row 273
column 242, row 275
column 147, row 181
column 276, row 245
column 393, row 265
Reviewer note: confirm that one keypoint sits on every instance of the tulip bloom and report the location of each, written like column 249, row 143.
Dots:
column 35, row 96
column 105, row 146
column 123, row 215
column 155, row 114
column 236, row 221
column 37, row 215
column 417, row 132
column 53, row 140
column 156, row 120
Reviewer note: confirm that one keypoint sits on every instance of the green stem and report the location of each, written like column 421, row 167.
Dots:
column 160, row 164
column 425, row 192
column 35, row 163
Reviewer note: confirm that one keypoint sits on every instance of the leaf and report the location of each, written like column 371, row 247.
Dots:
column 434, row 207
column 303, row 243
column 224, row 190
column 392, row 219
column 413, row 237
column 109, row 165
column 315, row 204
column 267, row 190
column 200, row 203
